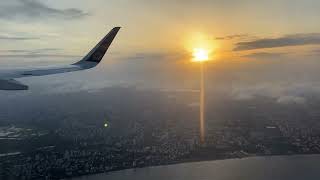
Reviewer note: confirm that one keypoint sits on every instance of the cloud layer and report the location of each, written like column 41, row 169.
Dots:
column 282, row 93
column 34, row 9
column 33, row 53
column 265, row 55
column 288, row 40
column 230, row 37
column 16, row 38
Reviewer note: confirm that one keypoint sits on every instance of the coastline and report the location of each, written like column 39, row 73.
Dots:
column 194, row 160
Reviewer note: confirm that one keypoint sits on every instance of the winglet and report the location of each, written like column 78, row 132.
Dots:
column 97, row 53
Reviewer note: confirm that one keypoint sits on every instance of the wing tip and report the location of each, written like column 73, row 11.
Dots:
column 97, row 53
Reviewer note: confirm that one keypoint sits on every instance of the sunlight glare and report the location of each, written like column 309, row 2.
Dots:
column 200, row 54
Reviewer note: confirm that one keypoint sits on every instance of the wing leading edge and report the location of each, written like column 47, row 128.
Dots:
column 92, row 59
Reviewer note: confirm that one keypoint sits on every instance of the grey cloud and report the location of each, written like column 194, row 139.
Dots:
column 34, row 9
column 31, row 50
column 34, row 53
column 154, row 56
column 288, row 40
column 17, row 38
column 148, row 56
column 291, row 99
column 24, row 36
column 230, row 37
column 264, row 55
column 317, row 51
column 282, row 93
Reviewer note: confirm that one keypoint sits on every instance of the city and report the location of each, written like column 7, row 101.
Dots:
column 150, row 128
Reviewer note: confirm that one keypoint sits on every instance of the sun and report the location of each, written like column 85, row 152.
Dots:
column 200, row 54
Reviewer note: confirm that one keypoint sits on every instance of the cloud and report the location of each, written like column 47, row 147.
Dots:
column 34, row 53
column 12, row 35
column 288, row 40
column 264, row 55
column 34, row 9
column 230, row 37
column 156, row 56
column 291, row 99
column 148, row 56
column 17, row 38
column 316, row 51
column 282, row 93
column 194, row 104
column 251, row 92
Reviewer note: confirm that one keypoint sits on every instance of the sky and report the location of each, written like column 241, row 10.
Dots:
column 266, row 43
column 74, row 26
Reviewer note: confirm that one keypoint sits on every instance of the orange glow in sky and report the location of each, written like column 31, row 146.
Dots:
column 201, row 46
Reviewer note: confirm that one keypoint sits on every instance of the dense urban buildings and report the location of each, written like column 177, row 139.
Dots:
column 147, row 127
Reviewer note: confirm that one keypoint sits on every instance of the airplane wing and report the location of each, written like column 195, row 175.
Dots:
column 93, row 58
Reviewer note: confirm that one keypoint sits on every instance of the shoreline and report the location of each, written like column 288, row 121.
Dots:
column 195, row 160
